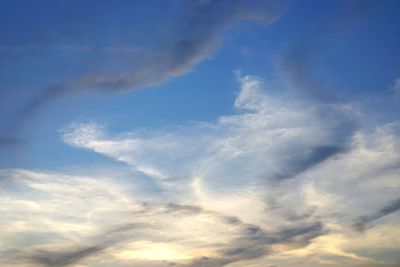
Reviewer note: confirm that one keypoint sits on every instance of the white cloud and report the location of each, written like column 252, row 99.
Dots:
column 276, row 183
column 252, row 145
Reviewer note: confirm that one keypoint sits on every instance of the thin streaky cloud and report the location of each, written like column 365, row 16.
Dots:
column 196, row 40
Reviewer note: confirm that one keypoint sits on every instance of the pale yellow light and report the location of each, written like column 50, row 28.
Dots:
column 151, row 251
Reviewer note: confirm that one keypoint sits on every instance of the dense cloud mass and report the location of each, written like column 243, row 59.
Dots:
column 276, row 184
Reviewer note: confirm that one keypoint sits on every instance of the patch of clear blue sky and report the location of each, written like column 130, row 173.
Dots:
column 353, row 47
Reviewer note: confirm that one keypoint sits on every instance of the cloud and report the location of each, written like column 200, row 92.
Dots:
column 65, row 258
column 72, row 233
column 303, row 137
column 112, row 220
column 209, row 193
column 362, row 221
column 193, row 40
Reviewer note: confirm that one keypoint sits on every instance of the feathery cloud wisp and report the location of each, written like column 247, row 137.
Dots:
column 193, row 41
column 215, row 197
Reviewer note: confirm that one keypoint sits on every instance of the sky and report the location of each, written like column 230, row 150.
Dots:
column 204, row 133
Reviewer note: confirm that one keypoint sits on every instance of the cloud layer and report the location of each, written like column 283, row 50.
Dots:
column 278, row 183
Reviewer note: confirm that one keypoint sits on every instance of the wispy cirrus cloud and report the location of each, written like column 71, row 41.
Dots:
column 208, row 194
column 193, row 40
column 264, row 125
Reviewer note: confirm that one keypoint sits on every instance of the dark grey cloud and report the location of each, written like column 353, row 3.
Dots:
column 299, row 67
column 190, row 209
column 193, row 39
column 341, row 127
column 253, row 242
column 65, row 258
column 307, row 159
column 53, row 258
column 68, row 256
column 363, row 221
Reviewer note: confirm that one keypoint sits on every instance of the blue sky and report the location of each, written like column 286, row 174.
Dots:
column 199, row 133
